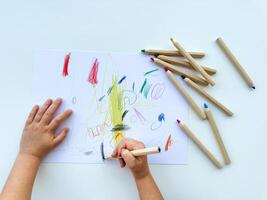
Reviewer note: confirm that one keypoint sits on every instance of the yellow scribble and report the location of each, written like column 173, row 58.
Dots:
column 116, row 108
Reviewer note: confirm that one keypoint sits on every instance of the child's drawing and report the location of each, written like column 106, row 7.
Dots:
column 126, row 97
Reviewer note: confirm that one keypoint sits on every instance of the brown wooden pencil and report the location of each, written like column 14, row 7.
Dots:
column 208, row 96
column 196, row 66
column 194, row 54
column 217, row 135
column 201, row 146
column 184, row 63
column 140, row 152
column 178, row 71
column 187, row 97
column 235, row 62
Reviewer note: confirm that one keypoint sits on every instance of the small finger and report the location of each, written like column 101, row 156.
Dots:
column 59, row 119
column 32, row 114
column 42, row 110
column 48, row 115
column 61, row 136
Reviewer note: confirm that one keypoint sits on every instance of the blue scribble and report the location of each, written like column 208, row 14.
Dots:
column 101, row 98
column 161, row 117
column 122, row 79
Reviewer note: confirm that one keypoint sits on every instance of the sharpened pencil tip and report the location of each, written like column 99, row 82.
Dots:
column 253, row 87
column 143, row 50
column 152, row 59
column 206, row 105
column 183, row 77
column 178, row 121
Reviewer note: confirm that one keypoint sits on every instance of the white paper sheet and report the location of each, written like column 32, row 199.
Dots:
column 151, row 115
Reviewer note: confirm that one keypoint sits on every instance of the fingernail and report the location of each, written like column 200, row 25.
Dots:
column 124, row 152
column 58, row 99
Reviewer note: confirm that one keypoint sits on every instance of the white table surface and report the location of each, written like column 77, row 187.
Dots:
column 129, row 26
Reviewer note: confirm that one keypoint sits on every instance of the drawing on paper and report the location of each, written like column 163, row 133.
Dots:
column 65, row 71
column 113, row 97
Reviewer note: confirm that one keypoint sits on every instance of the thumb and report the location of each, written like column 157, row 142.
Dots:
column 128, row 158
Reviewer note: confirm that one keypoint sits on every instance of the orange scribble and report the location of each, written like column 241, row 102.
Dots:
column 168, row 143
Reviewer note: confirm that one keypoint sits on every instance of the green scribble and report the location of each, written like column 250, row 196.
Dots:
column 151, row 71
column 142, row 88
column 146, row 89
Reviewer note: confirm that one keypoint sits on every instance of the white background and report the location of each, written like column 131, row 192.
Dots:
column 129, row 26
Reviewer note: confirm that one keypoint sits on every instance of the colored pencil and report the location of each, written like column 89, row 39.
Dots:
column 140, row 152
column 217, row 135
column 184, row 63
column 176, row 70
column 208, row 96
column 191, row 60
column 194, row 54
column 235, row 62
column 201, row 146
column 187, row 97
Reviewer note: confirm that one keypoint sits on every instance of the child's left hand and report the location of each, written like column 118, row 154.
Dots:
column 38, row 137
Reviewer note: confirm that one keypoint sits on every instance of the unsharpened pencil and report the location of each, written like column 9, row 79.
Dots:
column 201, row 146
column 194, row 54
column 217, row 135
column 184, row 63
column 208, row 96
column 196, row 66
column 187, row 97
column 176, row 70
column 235, row 62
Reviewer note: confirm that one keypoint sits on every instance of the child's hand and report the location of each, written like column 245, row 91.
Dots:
column 38, row 137
column 138, row 165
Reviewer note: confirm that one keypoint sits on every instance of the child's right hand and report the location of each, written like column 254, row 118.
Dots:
column 138, row 165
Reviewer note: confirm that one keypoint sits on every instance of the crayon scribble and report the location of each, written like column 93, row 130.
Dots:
column 116, row 110
column 74, row 100
column 151, row 71
column 145, row 88
column 133, row 86
column 122, row 79
column 140, row 116
column 101, row 98
column 168, row 143
column 124, row 114
column 92, row 78
column 109, row 90
column 157, row 91
column 161, row 117
column 65, row 71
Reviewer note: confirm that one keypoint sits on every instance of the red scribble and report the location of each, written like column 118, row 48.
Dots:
column 65, row 71
column 168, row 143
column 92, row 78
